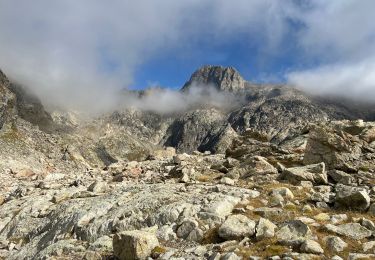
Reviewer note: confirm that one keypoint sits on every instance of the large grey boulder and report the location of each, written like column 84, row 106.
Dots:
column 315, row 173
column 351, row 230
column 334, row 146
column 237, row 227
column 134, row 245
column 341, row 177
column 348, row 197
column 293, row 233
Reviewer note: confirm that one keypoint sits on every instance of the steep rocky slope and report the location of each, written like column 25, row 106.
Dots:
column 7, row 101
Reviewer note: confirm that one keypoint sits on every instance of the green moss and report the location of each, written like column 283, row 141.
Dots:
column 157, row 251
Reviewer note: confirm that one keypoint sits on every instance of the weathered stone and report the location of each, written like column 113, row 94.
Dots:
column 335, row 148
column 315, row 173
column 371, row 210
column 341, row 177
column 311, row 246
column 227, row 181
column 98, row 187
column 293, row 233
column 135, row 245
column 369, row 247
column 335, row 244
column 265, row 229
column 166, row 233
column 222, row 207
column 195, row 235
column 355, row 256
column 351, row 198
column 284, row 192
column 230, row 256
column 186, row 227
column 259, row 165
column 351, row 230
column 338, row 218
column 268, row 212
column 237, row 227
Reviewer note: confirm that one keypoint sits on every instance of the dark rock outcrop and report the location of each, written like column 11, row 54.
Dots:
column 222, row 78
column 7, row 101
column 30, row 108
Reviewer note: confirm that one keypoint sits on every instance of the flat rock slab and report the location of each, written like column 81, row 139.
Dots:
column 351, row 230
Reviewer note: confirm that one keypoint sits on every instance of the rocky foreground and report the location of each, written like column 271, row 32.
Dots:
column 310, row 197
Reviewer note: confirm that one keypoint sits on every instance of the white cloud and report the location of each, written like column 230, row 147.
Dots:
column 353, row 80
column 340, row 35
column 80, row 52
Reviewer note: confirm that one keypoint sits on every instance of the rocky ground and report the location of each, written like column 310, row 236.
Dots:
column 312, row 197
column 281, row 176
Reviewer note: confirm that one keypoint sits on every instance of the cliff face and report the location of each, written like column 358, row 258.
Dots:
column 31, row 109
column 222, row 78
column 7, row 101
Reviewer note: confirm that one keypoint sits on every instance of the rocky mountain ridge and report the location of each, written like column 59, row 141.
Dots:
column 284, row 175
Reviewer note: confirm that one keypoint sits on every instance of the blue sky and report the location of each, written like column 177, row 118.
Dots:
column 173, row 68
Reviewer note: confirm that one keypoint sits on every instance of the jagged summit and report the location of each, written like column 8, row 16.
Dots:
column 223, row 78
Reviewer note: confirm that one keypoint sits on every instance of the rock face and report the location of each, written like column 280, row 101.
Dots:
column 30, row 108
column 222, row 78
column 196, row 130
column 338, row 146
column 7, row 101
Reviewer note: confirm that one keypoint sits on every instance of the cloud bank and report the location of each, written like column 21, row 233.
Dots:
column 164, row 101
column 80, row 53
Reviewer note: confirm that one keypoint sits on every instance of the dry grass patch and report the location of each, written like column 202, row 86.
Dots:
column 265, row 248
column 212, row 236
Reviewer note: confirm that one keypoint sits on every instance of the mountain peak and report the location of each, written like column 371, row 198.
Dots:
column 222, row 78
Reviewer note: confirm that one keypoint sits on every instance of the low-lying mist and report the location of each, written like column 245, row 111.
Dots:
column 166, row 101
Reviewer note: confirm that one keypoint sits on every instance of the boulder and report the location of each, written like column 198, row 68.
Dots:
column 352, row 230
column 134, row 245
column 265, row 229
column 371, row 210
column 237, row 227
column 332, row 145
column 284, row 192
column 311, row 247
column 222, row 207
column 293, row 233
column 260, row 165
column 314, row 173
column 98, row 187
column 186, row 227
column 348, row 197
column 335, row 244
column 341, row 177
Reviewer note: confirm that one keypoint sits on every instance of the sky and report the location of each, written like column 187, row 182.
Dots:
column 72, row 52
